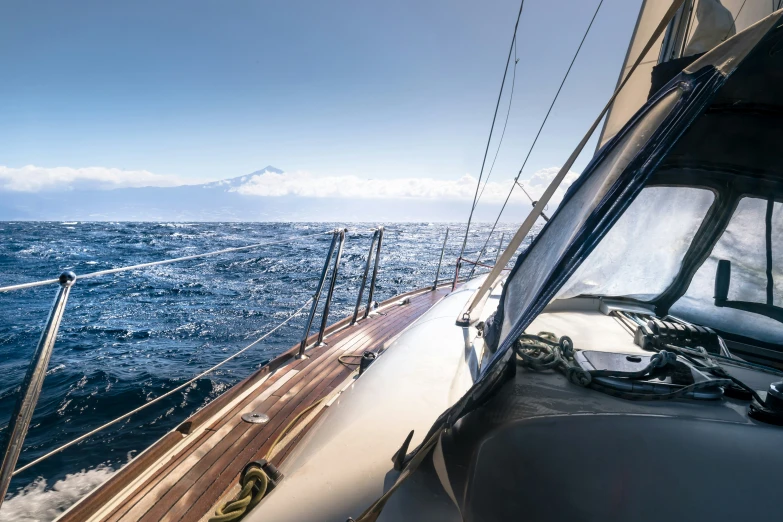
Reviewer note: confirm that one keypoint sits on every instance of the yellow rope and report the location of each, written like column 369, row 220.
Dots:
column 254, row 482
column 291, row 424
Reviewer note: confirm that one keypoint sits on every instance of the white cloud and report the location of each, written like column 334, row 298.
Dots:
column 303, row 184
column 35, row 179
column 272, row 184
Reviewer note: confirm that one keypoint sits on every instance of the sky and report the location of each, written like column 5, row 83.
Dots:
column 164, row 93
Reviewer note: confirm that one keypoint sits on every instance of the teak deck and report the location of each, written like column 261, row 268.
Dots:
column 186, row 473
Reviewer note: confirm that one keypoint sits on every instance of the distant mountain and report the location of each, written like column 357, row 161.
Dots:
column 235, row 183
column 217, row 201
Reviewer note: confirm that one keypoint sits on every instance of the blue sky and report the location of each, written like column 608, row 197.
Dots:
column 205, row 90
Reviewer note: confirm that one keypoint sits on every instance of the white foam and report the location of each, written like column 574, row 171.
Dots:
column 36, row 503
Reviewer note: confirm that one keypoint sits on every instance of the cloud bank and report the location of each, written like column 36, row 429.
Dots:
column 37, row 179
column 303, row 184
column 270, row 183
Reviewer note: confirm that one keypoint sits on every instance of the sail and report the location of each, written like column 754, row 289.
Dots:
column 698, row 27
column 634, row 94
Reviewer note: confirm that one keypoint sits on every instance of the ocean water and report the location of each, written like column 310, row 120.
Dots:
column 128, row 338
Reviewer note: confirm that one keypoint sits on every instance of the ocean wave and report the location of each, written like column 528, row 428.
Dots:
column 38, row 503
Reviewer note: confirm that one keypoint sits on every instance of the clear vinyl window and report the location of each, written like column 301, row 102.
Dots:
column 744, row 245
column 642, row 253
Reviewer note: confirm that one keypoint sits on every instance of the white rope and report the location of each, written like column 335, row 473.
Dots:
column 99, row 273
column 167, row 394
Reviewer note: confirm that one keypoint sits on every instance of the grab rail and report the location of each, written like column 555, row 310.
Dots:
column 374, row 273
column 377, row 236
column 337, row 236
column 461, row 260
column 500, row 247
column 364, row 277
column 440, row 261
column 332, row 281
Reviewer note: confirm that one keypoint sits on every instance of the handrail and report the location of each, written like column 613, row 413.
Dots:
column 456, row 273
column 448, row 281
column 332, row 281
column 374, row 272
column 440, row 261
column 476, row 263
column 99, row 273
column 461, row 260
column 364, row 277
column 336, row 234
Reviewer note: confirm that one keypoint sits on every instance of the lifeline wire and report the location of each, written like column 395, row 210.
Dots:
column 156, row 263
column 535, row 140
column 167, row 394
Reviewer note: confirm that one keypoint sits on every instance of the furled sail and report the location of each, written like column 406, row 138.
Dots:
column 698, row 27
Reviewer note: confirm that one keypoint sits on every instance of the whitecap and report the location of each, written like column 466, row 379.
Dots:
column 55, row 369
column 36, row 503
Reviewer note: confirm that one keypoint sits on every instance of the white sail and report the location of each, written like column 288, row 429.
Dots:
column 700, row 26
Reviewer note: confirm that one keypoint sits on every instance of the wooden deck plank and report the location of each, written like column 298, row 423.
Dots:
column 190, row 477
column 310, row 387
column 256, row 448
column 340, row 339
column 185, row 486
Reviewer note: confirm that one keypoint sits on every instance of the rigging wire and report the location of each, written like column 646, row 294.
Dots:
column 546, row 117
column 734, row 22
column 167, row 394
column 492, row 128
column 508, row 112
column 99, row 273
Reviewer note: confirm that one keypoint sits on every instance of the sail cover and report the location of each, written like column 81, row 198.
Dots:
column 701, row 25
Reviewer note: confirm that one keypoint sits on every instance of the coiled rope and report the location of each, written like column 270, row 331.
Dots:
column 546, row 352
column 254, row 484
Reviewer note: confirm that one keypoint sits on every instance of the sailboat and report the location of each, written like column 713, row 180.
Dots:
column 628, row 366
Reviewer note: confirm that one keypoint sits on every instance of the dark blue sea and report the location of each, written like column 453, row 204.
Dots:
column 128, row 338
